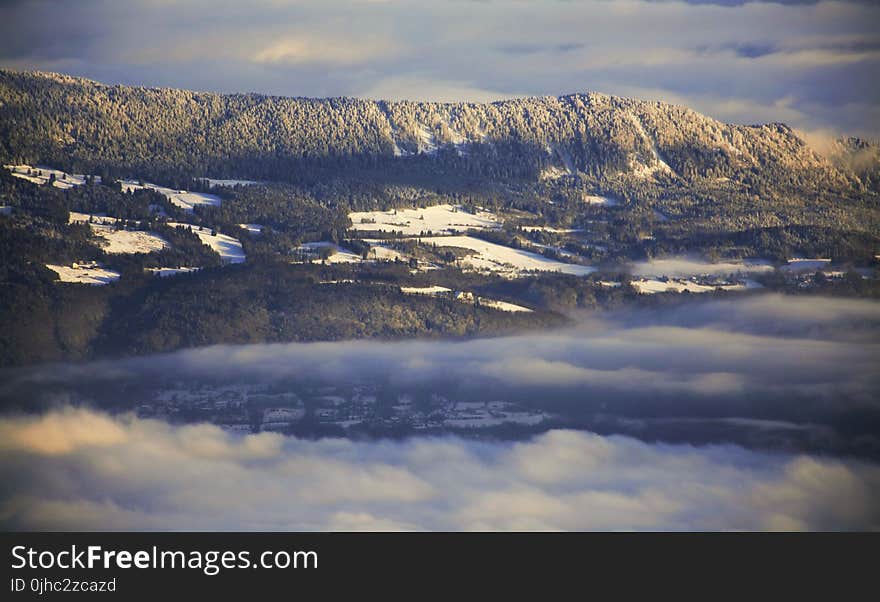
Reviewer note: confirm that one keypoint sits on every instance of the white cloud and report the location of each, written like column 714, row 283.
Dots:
column 767, row 357
column 153, row 478
column 303, row 49
column 794, row 369
column 426, row 89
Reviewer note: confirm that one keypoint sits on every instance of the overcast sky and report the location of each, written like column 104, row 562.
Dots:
column 813, row 65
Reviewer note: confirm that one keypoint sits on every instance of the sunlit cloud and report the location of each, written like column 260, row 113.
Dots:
column 785, row 373
column 308, row 49
column 152, row 476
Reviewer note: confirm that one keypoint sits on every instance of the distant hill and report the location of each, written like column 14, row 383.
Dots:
column 81, row 125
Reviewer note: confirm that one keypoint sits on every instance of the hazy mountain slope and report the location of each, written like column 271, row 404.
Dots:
column 858, row 157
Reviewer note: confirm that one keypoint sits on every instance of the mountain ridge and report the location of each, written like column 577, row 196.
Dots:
column 591, row 133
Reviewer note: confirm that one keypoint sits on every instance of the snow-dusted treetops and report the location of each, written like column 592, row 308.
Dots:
column 79, row 125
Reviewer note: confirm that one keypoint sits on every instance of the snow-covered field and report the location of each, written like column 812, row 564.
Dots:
column 594, row 199
column 212, row 182
column 551, row 229
column 559, row 250
column 252, row 229
column 425, row 290
column 441, row 223
column 649, row 286
column 383, row 253
column 75, row 217
column 686, row 267
column 438, row 219
column 41, row 176
column 505, row 260
column 503, row 305
column 119, row 241
column 378, row 252
column 228, row 248
column 339, row 254
column 463, row 296
column 165, row 272
column 128, row 241
column 180, row 198
column 86, row 273
column 799, row 264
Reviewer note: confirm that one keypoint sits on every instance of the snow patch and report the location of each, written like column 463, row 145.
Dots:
column 799, row 264
column 437, row 219
column 595, row 199
column 463, row 297
column 213, row 183
column 228, row 248
column 179, row 198
column 503, row 305
column 551, row 229
column 119, row 241
column 686, row 267
column 338, row 254
column 658, row 163
column 383, row 253
column 493, row 257
column 425, row 139
column 165, row 272
column 425, row 290
column 649, row 286
column 84, row 273
column 41, row 175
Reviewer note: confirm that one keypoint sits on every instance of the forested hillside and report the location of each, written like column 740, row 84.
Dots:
column 118, row 186
column 83, row 125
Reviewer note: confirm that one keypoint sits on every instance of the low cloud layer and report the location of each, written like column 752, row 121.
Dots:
column 832, row 341
column 727, row 380
column 810, row 64
column 765, row 371
column 125, row 473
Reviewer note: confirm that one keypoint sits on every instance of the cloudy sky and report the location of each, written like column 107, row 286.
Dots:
column 813, row 65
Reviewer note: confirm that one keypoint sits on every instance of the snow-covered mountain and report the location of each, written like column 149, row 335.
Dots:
column 53, row 119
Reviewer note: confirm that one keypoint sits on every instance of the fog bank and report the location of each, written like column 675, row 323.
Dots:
column 82, row 470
